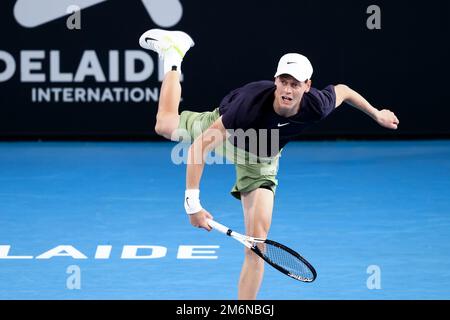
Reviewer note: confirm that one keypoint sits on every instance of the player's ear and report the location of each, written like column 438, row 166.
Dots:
column 308, row 85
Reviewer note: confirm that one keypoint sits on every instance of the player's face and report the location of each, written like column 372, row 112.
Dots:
column 288, row 94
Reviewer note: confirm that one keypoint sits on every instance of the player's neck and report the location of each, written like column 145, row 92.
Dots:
column 286, row 113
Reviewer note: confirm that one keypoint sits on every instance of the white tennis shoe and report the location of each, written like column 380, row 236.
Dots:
column 161, row 41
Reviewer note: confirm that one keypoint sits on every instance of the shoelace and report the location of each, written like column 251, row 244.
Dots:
column 155, row 45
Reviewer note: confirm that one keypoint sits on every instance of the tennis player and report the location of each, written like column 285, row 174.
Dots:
column 285, row 105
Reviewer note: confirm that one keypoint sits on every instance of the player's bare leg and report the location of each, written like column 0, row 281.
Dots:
column 171, row 46
column 258, row 206
column 168, row 118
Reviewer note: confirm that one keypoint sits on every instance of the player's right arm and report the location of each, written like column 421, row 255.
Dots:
column 206, row 142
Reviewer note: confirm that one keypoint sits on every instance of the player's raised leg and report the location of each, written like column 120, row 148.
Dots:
column 171, row 46
column 258, row 206
column 167, row 118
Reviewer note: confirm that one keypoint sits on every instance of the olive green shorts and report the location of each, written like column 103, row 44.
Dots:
column 251, row 172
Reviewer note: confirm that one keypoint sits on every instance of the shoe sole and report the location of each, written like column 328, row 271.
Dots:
column 158, row 34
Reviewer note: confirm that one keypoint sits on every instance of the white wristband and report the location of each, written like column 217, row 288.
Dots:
column 192, row 201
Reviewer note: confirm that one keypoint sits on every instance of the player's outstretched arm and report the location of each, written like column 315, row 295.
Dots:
column 384, row 118
column 203, row 144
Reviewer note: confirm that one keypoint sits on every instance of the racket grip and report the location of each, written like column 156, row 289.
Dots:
column 217, row 226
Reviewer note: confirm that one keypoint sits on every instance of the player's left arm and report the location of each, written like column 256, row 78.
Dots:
column 385, row 118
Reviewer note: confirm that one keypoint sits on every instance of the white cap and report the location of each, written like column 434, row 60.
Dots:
column 295, row 65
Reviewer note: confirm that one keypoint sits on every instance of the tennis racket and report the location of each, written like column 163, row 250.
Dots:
column 277, row 255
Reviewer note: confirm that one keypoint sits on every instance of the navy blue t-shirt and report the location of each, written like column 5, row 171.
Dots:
column 251, row 107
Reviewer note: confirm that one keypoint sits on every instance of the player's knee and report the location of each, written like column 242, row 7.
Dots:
column 164, row 129
column 260, row 230
column 263, row 231
column 161, row 130
column 166, row 124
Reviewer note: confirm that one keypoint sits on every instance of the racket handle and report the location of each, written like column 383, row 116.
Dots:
column 217, row 226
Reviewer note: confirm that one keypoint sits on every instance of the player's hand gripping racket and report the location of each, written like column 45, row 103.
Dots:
column 277, row 255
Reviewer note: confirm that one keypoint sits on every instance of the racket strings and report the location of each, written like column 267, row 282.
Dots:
column 286, row 260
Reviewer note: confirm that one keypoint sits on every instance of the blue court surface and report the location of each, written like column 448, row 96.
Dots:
column 85, row 220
